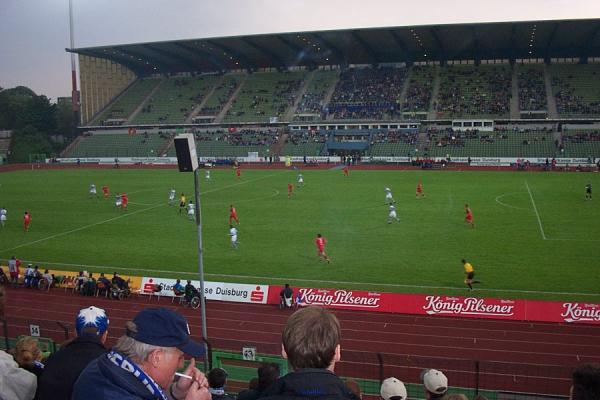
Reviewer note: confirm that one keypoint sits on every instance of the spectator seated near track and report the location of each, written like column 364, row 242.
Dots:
column 586, row 382
column 48, row 278
column 190, row 292
column 3, row 277
column 89, row 287
column 103, row 284
column 80, row 281
column 217, row 379
column 393, row 389
column 28, row 275
column 286, row 297
column 143, row 363
column 267, row 375
column 435, row 384
column 311, row 344
column 178, row 288
column 63, row 367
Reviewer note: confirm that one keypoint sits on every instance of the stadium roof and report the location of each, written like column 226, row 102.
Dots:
column 498, row 40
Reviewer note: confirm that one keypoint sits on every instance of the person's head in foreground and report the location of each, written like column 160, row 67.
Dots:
column 586, row 382
column 311, row 339
column 92, row 321
column 435, row 383
column 393, row 389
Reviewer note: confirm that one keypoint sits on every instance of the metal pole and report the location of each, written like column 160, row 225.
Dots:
column 201, row 269
column 74, row 93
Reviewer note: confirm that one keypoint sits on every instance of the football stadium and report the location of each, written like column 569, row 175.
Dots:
column 431, row 186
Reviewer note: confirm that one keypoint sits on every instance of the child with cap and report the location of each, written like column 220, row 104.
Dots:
column 63, row 367
column 435, row 383
column 393, row 389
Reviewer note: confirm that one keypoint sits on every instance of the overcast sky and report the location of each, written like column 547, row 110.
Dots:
column 34, row 33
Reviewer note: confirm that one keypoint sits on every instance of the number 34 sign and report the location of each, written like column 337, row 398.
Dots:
column 249, row 353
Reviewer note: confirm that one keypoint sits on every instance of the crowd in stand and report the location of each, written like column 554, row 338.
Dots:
column 569, row 102
column 475, row 91
column 532, row 90
column 143, row 364
column 394, row 136
column 222, row 99
column 367, row 93
column 582, row 137
column 419, row 91
column 304, row 137
column 242, row 137
column 262, row 100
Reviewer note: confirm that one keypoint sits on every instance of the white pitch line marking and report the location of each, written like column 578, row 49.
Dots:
column 177, row 273
column 508, row 205
column 536, row 212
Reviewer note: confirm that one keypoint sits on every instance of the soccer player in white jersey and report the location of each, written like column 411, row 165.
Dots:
column 300, row 180
column 233, row 232
column 93, row 192
column 389, row 199
column 3, row 213
column 172, row 193
column 191, row 210
column 393, row 215
column 118, row 200
column 207, row 175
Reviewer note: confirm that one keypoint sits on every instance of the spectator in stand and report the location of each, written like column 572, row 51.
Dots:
column 267, row 375
column 586, row 382
column 393, row 389
column 143, row 363
column 63, row 367
column 217, row 379
column 178, row 288
column 15, row 382
column 311, row 344
column 286, row 297
column 435, row 384
column 28, row 280
column 48, row 277
column 29, row 357
column 103, row 284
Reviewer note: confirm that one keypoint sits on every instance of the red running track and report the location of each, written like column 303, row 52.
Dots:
column 513, row 356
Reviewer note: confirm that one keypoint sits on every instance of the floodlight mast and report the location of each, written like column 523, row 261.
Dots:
column 201, row 268
column 74, row 92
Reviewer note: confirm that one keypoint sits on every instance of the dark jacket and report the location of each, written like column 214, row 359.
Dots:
column 309, row 383
column 63, row 367
column 248, row 394
column 102, row 379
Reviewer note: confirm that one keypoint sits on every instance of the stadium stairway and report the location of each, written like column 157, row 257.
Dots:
column 515, row 112
column 405, row 87
column 330, row 91
column 200, row 106
column 145, row 101
column 96, row 118
column 289, row 114
column 277, row 147
column 227, row 105
column 71, row 146
column 431, row 114
column 552, row 111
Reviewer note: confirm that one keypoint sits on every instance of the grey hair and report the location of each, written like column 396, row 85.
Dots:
column 134, row 349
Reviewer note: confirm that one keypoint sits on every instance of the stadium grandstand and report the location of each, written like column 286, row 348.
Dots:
column 502, row 90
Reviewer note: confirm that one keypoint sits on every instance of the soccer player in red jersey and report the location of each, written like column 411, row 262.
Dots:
column 346, row 171
column 124, row 201
column 290, row 190
column 233, row 215
column 420, row 193
column 469, row 216
column 26, row 221
column 320, row 241
column 238, row 172
column 106, row 191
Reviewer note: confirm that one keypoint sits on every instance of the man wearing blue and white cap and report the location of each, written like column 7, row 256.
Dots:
column 143, row 363
column 63, row 367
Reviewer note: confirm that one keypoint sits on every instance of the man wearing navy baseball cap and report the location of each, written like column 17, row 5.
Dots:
column 143, row 363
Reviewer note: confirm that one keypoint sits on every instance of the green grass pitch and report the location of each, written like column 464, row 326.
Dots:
column 535, row 235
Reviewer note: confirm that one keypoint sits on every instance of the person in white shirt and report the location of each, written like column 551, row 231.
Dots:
column 393, row 215
column 389, row 199
column 93, row 192
column 172, row 193
column 233, row 232
column 207, row 175
column 3, row 217
column 118, row 200
column 300, row 180
column 191, row 210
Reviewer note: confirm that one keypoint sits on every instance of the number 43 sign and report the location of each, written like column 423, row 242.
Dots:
column 249, row 353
